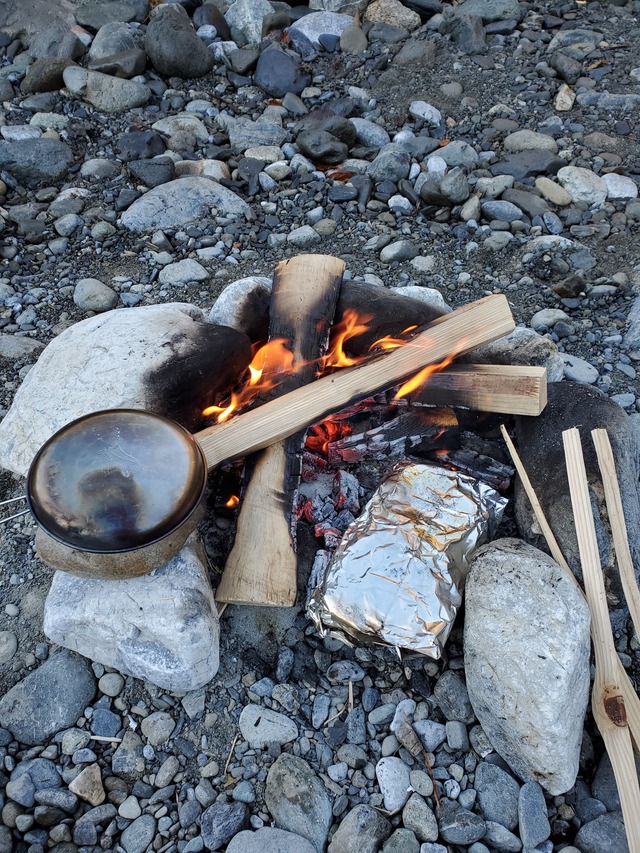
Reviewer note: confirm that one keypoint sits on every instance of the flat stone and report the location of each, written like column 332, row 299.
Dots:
column 8, row 646
column 361, row 831
column 175, row 641
column 183, row 272
column 529, row 140
column 137, row 837
column 528, row 164
column 91, row 294
column 49, row 699
column 180, row 202
column 321, row 23
column 460, row 826
column 400, row 250
column 310, row 815
column 106, row 93
column 392, row 163
column 262, row 727
column 88, row 785
column 95, row 14
column 509, row 579
column 221, row 822
column 392, row 12
column 497, row 795
column 245, row 133
column 578, row 370
column 393, row 778
column 533, row 823
column 418, row 817
column 604, row 833
column 494, row 10
column 36, row 162
column 583, row 184
column 269, row 840
column 188, row 122
column 620, row 187
column 452, row 696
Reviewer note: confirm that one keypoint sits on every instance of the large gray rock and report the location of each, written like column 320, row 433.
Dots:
column 298, row 800
column 540, row 445
column 25, row 20
column 493, row 10
column 362, row 831
column 36, row 162
column 526, row 649
column 172, row 45
column 322, row 23
column 49, row 699
column 138, row 354
column 107, row 94
column 162, row 627
column 115, row 38
column 263, row 726
column 179, row 203
column 242, row 305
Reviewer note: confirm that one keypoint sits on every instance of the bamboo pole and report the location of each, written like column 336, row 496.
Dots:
column 607, row 699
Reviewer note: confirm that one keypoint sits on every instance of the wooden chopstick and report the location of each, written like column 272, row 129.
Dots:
column 631, row 700
column 618, row 525
column 607, row 700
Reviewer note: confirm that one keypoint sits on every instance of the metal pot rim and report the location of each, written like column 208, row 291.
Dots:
column 122, row 489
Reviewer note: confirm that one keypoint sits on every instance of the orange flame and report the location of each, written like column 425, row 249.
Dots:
column 233, row 502
column 350, row 327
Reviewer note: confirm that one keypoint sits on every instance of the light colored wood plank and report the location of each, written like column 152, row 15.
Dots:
column 262, row 567
column 607, row 699
column 456, row 333
column 618, row 524
column 508, row 389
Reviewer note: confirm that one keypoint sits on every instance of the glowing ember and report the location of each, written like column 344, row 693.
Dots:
column 233, row 502
column 321, row 435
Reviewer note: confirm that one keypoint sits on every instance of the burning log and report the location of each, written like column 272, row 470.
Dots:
column 263, row 569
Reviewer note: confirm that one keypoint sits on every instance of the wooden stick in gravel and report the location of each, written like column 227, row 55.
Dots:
column 618, row 525
column 631, row 700
column 262, row 566
column 607, row 700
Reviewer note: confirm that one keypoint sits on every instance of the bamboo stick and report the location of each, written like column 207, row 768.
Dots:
column 449, row 336
column 618, row 525
column 631, row 700
column 607, row 701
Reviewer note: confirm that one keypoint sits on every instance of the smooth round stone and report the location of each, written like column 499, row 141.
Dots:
column 66, row 225
column 130, row 808
column 99, row 169
column 529, row 140
column 426, row 113
column 111, row 684
column 393, row 778
column 400, row 250
column 157, row 727
column 91, row 294
column 547, row 317
column 369, row 133
column 505, row 211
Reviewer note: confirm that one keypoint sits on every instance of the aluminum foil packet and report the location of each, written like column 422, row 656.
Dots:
column 397, row 576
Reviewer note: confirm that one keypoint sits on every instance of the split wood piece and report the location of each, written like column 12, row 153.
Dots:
column 607, row 700
column 508, row 389
column 459, row 332
column 631, row 700
column 262, row 566
column 618, row 525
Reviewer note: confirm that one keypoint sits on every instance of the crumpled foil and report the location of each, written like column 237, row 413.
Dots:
column 399, row 571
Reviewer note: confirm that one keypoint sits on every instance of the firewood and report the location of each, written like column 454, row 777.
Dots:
column 510, row 389
column 262, row 566
column 618, row 525
column 459, row 332
column 607, row 701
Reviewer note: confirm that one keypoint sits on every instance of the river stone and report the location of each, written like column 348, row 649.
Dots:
column 246, row 16
column 298, row 800
column 583, row 184
column 221, row 822
column 279, row 72
column 392, row 12
column 393, row 778
column 262, row 726
column 497, row 795
column 49, row 699
column 529, row 140
column 540, row 445
column 269, row 840
column 362, row 831
column 172, row 45
column 493, row 10
column 106, row 93
column 141, row 355
column 36, row 162
column 161, row 627
column 620, row 187
column 605, row 833
column 180, row 202
column 529, row 691
column 321, row 23
column 113, row 38
column 186, row 122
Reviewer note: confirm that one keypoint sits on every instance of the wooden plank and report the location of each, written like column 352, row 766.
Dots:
column 618, row 524
column 456, row 333
column 607, row 700
column 262, row 566
column 631, row 700
column 508, row 389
